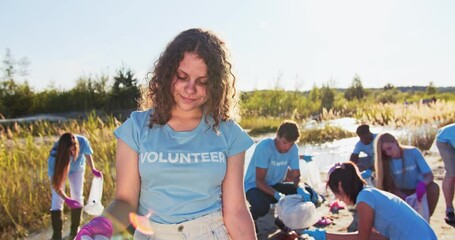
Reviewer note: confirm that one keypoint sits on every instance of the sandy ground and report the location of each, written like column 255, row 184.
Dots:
column 343, row 221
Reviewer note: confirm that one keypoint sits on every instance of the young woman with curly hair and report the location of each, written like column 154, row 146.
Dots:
column 180, row 161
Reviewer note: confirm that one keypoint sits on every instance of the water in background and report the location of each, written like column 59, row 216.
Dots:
column 327, row 154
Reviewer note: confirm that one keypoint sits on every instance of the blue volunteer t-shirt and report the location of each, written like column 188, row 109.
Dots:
column 75, row 166
column 181, row 172
column 267, row 156
column 393, row 217
column 414, row 166
column 365, row 148
column 446, row 134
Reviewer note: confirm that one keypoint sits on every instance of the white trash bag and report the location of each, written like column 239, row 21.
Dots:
column 94, row 206
column 420, row 207
column 295, row 213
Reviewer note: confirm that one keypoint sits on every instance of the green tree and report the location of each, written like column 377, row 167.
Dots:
column 327, row 97
column 125, row 91
column 431, row 89
column 388, row 86
column 355, row 91
column 15, row 98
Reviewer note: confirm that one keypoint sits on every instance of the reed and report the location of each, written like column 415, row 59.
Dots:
column 25, row 189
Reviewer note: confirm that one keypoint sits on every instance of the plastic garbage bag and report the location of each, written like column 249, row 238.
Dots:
column 310, row 174
column 94, row 206
column 295, row 213
column 420, row 207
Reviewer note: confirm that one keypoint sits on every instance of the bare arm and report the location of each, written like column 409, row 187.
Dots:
column 354, row 158
column 90, row 162
column 236, row 216
column 260, row 181
column 295, row 177
column 127, row 187
column 428, row 178
column 353, row 236
column 366, row 219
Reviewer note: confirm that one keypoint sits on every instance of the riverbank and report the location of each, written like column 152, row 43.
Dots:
column 345, row 220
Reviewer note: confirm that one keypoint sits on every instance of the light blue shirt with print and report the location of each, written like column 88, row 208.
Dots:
column 446, row 134
column 267, row 156
column 365, row 148
column 181, row 172
column 414, row 166
column 393, row 217
column 78, row 164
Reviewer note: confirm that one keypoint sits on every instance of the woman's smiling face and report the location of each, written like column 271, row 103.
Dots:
column 189, row 84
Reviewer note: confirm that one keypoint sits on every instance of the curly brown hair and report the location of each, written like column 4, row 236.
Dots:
column 222, row 96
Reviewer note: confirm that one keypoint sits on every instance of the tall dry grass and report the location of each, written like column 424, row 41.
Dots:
column 25, row 187
column 421, row 120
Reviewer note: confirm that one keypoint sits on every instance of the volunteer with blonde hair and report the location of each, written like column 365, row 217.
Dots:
column 402, row 170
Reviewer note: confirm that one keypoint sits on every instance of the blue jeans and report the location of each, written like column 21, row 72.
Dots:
column 260, row 201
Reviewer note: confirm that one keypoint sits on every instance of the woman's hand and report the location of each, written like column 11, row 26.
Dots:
column 98, row 226
column 72, row 203
column 97, row 173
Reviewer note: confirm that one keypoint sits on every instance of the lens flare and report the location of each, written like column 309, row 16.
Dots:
column 141, row 223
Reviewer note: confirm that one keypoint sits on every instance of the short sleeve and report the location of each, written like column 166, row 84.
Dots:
column 261, row 154
column 130, row 131
column 239, row 140
column 366, row 197
column 84, row 145
column 421, row 162
column 294, row 163
column 357, row 148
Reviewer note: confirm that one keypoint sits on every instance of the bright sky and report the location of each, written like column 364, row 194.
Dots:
column 292, row 44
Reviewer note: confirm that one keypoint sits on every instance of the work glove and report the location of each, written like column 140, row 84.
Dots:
column 421, row 190
column 366, row 174
column 317, row 234
column 97, row 226
column 97, row 173
column 72, row 203
column 277, row 195
column 307, row 158
column 304, row 193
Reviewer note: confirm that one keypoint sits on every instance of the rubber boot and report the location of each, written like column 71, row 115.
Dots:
column 76, row 214
column 57, row 222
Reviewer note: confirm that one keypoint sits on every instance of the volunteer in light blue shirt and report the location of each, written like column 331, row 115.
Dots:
column 180, row 162
column 181, row 172
column 67, row 160
column 365, row 146
column 381, row 212
column 267, row 170
column 445, row 142
column 402, row 170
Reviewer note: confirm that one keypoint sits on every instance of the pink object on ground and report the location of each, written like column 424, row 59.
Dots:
column 337, row 205
column 324, row 221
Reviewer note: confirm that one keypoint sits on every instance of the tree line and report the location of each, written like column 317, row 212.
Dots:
column 18, row 99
